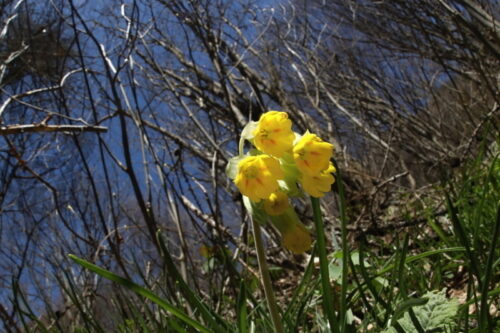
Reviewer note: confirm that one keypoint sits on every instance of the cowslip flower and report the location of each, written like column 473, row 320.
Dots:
column 317, row 185
column 273, row 134
column 297, row 239
column 258, row 176
column 276, row 204
column 294, row 235
column 312, row 155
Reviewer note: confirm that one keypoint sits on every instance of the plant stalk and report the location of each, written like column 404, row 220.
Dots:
column 266, row 279
column 345, row 250
column 323, row 264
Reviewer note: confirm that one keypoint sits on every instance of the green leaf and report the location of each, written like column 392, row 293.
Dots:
column 242, row 309
column 355, row 259
column 141, row 291
column 437, row 314
column 406, row 305
column 335, row 271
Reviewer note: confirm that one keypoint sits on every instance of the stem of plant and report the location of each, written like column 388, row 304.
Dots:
column 266, row 279
column 323, row 264
column 345, row 250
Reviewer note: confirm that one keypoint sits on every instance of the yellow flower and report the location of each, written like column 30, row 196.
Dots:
column 319, row 184
column 294, row 236
column 273, row 134
column 297, row 239
column 276, row 204
column 258, row 176
column 312, row 154
column 207, row 251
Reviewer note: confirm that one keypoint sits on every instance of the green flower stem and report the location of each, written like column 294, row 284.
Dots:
column 323, row 264
column 266, row 279
column 345, row 250
column 241, row 145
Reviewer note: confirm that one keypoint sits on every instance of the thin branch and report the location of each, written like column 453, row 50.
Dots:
column 36, row 91
column 39, row 128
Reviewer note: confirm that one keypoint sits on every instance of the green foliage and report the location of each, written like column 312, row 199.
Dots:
column 179, row 313
column 436, row 315
column 368, row 290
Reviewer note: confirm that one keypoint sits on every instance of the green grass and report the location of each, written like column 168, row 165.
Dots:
column 437, row 276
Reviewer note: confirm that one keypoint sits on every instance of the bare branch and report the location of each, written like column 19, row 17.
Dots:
column 41, row 128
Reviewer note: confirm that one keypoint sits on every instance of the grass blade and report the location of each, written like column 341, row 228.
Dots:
column 460, row 232
column 484, row 309
column 241, row 309
column 298, row 294
column 423, row 255
column 363, row 297
column 209, row 316
column 368, row 280
column 141, row 291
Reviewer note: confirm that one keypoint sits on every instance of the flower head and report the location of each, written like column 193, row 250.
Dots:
column 258, row 176
column 312, row 155
column 276, row 204
column 297, row 239
column 273, row 134
column 294, row 236
column 319, row 184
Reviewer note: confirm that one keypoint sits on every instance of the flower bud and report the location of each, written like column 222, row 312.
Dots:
column 294, row 235
column 276, row 204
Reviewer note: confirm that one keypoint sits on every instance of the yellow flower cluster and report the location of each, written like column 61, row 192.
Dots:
column 258, row 176
column 270, row 172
